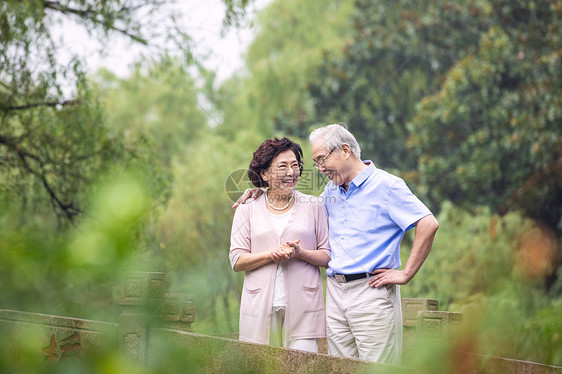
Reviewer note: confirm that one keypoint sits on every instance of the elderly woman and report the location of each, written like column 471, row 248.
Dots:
column 279, row 240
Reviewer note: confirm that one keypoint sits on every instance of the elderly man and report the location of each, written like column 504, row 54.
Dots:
column 369, row 211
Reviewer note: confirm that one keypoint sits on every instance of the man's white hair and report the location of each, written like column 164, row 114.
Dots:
column 336, row 135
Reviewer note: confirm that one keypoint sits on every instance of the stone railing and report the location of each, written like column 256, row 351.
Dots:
column 145, row 305
column 422, row 319
column 152, row 319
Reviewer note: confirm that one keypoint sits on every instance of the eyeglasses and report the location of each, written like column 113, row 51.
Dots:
column 322, row 161
column 282, row 168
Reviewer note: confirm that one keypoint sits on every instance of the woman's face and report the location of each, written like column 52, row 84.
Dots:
column 283, row 173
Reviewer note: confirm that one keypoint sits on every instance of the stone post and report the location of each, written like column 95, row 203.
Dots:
column 434, row 325
column 141, row 295
column 178, row 312
column 410, row 309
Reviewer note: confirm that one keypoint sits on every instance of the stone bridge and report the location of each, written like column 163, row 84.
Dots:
column 154, row 332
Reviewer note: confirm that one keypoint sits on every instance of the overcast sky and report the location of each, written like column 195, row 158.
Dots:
column 204, row 18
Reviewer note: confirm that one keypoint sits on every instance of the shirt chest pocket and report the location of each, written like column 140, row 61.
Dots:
column 363, row 217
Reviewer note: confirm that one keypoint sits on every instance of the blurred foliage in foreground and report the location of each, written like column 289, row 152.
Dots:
column 481, row 272
column 492, row 269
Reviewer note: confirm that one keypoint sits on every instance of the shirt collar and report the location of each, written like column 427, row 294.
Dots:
column 362, row 177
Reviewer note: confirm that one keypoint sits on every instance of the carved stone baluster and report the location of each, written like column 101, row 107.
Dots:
column 142, row 294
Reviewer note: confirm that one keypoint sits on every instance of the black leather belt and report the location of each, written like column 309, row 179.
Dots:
column 344, row 278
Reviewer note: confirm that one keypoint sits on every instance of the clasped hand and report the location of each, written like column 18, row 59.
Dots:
column 285, row 251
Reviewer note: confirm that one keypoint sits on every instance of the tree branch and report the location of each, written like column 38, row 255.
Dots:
column 69, row 210
column 47, row 104
column 89, row 15
column 537, row 178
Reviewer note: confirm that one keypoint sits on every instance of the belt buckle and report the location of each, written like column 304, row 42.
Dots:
column 340, row 278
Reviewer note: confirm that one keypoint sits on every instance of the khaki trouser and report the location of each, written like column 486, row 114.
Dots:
column 364, row 322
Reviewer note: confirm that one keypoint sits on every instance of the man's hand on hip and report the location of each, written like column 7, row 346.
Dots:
column 388, row 276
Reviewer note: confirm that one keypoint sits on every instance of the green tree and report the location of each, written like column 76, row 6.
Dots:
column 53, row 139
column 270, row 95
column 187, row 237
column 192, row 233
column 491, row 135
column 396, row 52
column 49, row 152
column 479, row 266
column 158, row 103
column 60, row 151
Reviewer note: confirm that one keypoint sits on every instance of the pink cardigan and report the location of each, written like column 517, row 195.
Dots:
column 252, row 231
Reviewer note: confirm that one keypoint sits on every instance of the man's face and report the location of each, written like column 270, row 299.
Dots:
column 328, row 160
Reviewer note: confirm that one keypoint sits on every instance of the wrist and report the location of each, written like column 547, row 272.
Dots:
column 408, row 274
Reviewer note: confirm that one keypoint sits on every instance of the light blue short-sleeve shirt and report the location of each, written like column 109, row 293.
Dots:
column 368, row 221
